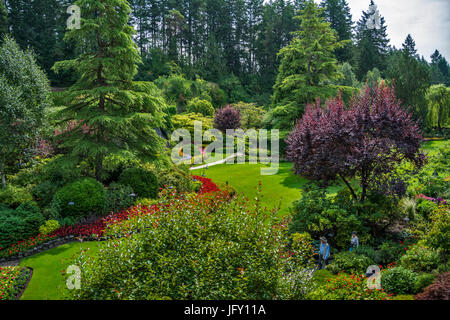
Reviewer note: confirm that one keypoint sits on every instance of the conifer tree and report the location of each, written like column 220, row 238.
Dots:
column 371, row 41
column 3, row 19
column 308, row 65
column 112, row 115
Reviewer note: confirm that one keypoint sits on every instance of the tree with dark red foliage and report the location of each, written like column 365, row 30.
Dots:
column 227, row 118
column 438, row 290
column 365, row 141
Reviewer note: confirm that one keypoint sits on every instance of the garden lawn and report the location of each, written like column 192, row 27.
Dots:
column 48, row 282
column 277, row 190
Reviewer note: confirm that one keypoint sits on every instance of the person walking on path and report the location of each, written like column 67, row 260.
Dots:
column 354, row 241
column 324, row 253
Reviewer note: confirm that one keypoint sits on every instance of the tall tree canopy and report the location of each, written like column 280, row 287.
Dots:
column 112, row 114
column 371, row 41
column 24, row 93
column 4, row 26
column 308, row 64
column 438, row 98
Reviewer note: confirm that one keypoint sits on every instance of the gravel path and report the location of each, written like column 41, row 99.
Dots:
column 12, row 263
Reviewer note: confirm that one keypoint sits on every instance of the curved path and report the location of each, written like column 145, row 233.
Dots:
column 205, row 166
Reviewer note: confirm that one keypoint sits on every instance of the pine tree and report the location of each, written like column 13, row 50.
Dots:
column 112, row 115
column 371, row 41
column 308, row 65
column 440, row 69
column 4, row 27
column 337, row 13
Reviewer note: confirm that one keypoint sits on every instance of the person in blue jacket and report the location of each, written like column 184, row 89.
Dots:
column 324, row 253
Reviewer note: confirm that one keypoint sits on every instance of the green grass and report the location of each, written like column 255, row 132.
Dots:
column 277, row 190
column 48, row 282
column 433, row 146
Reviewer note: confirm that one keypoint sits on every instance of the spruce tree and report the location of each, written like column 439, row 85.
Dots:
column 4, row 27
column 308, row 64
column 111, row 114
column 337, row 13
column 371, row 41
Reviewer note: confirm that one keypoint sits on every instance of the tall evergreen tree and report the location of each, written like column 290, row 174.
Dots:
column 337, row 13
column 4, row 26
column 112, row 114
column 440, row 69
column 308, row 65
column 371, row 41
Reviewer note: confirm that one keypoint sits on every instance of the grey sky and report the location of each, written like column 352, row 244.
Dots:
column 428, row 22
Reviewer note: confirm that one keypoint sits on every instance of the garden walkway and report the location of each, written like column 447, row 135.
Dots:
column 206, row 166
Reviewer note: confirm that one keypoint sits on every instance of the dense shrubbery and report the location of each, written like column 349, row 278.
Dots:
column 19, row 224
column 423, row 281
column 227, row 118
column 420, row 259
column 82, row 198
column 49, row 227
column 143, row 182
column 177, row 177
column 13, row 196
column 203, row 107
column 439, row 290
column 398, row 280
column 118, row 197
column 350, row 262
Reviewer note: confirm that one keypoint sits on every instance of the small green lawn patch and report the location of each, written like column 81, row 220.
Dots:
column 47, row 282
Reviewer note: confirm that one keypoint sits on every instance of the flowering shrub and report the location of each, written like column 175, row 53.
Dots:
column 207, row 185
column 12, row 281
column 348, row 287
column 435, row 200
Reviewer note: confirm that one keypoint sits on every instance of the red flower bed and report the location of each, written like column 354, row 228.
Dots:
column 208, row 186
column 96, row 228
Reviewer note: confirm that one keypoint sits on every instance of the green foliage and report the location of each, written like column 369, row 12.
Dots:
column 49, row 227
column 437, row 235
column 349, row 79
column 144, row 183
column 4, row 26
column 179, row 178
column 80, row 199
column 118, row 197
column 186, row 121
column 398, row 280
column 24, row 91
column 252, row 116
column 389, row 252
column 420, row 259
column 307, row 65
column 203, row 107
column 350, row 262
column 13, row 196
column 438, row 99
column 233, row 89
column 19, row 224
column 110, row 112
column 403, row 297
column 423, row 281
column 192, row 251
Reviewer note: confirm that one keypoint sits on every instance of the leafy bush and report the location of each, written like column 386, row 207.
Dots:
column 389, row 252
column 398, row 280
column 367, row 251
column 403, row 297
column 203, row 107
column 423, row 281
column 420, row 259
column 350, row 262
column 118, row 197
column 43, row 193
column 251, row 115
column 207, row 247
column 13, row 196
column 19, row 224
column 49, row 227
column 439, row 290
column 437, row 235
column 79, row 199
column 176, row 177
column 425, row 208
column 227, row 118
column 143, row 182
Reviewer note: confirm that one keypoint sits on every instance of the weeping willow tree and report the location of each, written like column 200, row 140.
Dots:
column 109, row 113
column 438, row 98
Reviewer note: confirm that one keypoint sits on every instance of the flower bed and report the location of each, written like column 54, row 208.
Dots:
column 437, row 201
column 13, row 281
column 93, row 230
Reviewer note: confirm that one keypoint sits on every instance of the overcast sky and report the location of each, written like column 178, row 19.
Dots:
column 428, row 22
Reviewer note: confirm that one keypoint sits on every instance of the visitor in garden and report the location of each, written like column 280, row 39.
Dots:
column 354, row 241
column 324, row 253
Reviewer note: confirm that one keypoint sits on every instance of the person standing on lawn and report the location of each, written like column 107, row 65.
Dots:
column 354, row 241
column 324, row 253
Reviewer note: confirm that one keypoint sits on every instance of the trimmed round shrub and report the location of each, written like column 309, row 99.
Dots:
column 13, row 196
column 49, row 227
column 118, row 197
column 177, row 178
column 80, row 199
column 439, row 290
column 423, row 281
column 227, row 118
column 398, row 280
column 143, row 182
column 420, row 259
column 200, row 106
column 350, row 262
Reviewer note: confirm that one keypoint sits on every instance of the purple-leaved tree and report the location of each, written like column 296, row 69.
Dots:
column 366, row 141
column 227, row 118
